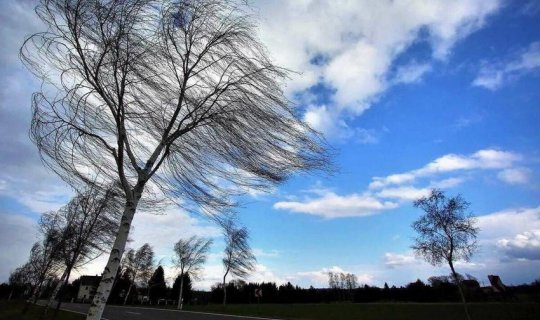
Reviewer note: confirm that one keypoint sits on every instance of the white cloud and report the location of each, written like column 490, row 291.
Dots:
column 494, row 75
column 331, row 205
column 351, row 46
column 403, row 193
column 481, row 160
column 524, row 245
column 393, row 260
column 515, row 175
column 411, row 73
column 258, row 252
column 389, row 192
column 511, row 233
column 319, row 278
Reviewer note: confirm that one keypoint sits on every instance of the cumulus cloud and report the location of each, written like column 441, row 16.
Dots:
column 389, row 192
column 351, row 47
column 515, row 175
column 493, row 75
column 319, row 278
column 331, row 205
column 404, row 193
column 481, row 160
column 524, row 245
column 411, row 73
column 512, row 233
column 393, row 260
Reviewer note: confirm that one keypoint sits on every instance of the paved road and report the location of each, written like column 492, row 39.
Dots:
column 141, row 313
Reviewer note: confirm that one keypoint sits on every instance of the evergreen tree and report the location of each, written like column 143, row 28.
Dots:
column 157, row 288
column 187, row 291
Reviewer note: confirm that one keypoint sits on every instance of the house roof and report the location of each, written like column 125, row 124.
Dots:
column 90, row 280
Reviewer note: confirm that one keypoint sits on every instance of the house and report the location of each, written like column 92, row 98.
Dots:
column 87, row 288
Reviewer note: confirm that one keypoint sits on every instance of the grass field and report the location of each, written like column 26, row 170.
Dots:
column 367, row 311
column 12, row 311
column 335, row 311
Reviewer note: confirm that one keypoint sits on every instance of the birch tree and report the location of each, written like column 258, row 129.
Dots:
column 190, row 256
column 87, row 227
column 446, row 233
column 139, row 265
column 238, row 259
column 170, row 98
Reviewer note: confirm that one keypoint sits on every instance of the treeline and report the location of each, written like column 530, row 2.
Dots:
column 438, row 289
column 418, row 291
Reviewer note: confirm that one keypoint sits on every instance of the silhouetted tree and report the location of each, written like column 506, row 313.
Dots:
column 184, row 284
column 139, row 265
column 190, row 255
column 157, row 287
column 445, row 233
column 238, row 259
column 86, row 227
column 179, row 93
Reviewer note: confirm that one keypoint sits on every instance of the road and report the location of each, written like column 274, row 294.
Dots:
column 141, row 313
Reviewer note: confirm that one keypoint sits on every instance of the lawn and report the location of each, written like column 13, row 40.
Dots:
column 11, row 310
column 367, row 311
column 333, row 311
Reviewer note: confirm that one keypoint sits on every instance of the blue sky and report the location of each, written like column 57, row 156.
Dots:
column 410, row 95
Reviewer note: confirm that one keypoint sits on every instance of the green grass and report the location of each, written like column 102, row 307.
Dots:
column 334, row 311
column 11, row 310
column 367, row 311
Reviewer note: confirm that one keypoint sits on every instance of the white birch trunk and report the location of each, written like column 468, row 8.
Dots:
column 109, row 274
column 57, row 289
column 180, row 300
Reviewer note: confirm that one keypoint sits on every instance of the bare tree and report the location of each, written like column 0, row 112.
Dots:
column 446, row 233
column 190, row 255
column 238, row 259
column 20, row 278
column 44, row 260
column 176, row 98
column 87, row 227
column 139, row 265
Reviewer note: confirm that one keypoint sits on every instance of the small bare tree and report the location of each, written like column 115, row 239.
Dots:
column 20, row 278
column 87, row 227
column 44, row 261
column 445, row 233
column 139, row 265
column 176, row 98
column 238, row 258
column 190, row 255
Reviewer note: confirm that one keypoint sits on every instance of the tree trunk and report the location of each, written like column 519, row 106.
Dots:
column 57, row 289
column 61, row 292
column 224, row 289
column 109, row 274
column 454, row 274
column 128, row 292
column 180, row 302
column 50, row 303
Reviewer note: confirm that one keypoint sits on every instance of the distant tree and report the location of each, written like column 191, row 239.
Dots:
column 182, row 283
column 238, row 259
column 190, row 255
column 446, row 233
column 44, row 260
column 86, row 227
column 139, row 265
column 157, row 287
column 20, row 279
